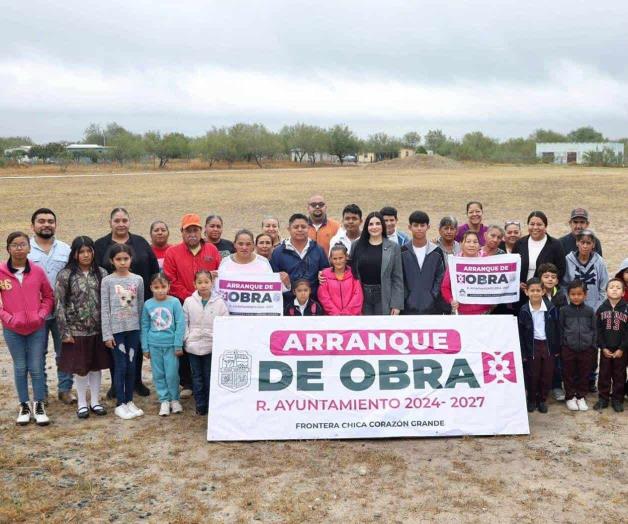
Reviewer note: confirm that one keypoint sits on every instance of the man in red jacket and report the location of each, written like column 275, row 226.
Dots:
column 181, row 263
column 183, row 260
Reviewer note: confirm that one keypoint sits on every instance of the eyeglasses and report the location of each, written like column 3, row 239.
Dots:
column 18, row 246
column 512, row 223
column 317, row 204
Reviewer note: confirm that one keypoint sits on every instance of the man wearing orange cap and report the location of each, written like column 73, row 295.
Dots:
column 183, row 260
column 181, row 263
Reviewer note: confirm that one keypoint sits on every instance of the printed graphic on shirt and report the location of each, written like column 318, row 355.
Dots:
column 161, row 318
column 127, row 296
column 588, row 276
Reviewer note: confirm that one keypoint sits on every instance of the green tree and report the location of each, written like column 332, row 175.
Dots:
column 125, row 146
column 9, row 142
column 342, row 142
column 304, row 140
column 476, row 146
column 441, row 144
column 411, row 140
column 516, row 150
column 606, row 157
column 215, row 146
column 254, row 142
column 94, row 134
column 383, row 146
column 166, row 147
column 547, row 136
column 435, row 139
column 585, row 134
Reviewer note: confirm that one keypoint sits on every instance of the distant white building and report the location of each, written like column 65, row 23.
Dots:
column 573, row 152
column 16, row 150
column 86, row 148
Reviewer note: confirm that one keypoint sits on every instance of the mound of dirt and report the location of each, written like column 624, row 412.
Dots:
column 417, row 162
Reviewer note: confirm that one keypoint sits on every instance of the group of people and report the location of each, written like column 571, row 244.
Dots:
column 112, row 302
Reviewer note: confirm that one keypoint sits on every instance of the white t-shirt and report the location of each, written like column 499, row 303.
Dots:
column 538, row 321
column 534, row 249
column 258, row 265
column 19, row 274
column 420, row 253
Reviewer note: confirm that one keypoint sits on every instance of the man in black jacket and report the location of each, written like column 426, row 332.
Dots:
column 423, row 269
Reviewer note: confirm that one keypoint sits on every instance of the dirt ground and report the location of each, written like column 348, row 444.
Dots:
column 572, row 468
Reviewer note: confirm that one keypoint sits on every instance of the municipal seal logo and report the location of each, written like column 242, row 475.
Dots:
column 234, row 370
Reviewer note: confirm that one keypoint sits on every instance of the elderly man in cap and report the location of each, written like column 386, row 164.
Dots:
column 579, row 221
column 181, row 263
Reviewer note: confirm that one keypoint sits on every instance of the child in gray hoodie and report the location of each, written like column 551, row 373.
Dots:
column 587, row 265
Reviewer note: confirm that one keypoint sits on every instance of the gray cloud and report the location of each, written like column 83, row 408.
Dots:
column 176, row 64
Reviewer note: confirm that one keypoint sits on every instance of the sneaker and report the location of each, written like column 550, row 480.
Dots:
column 618, row 406
column 582, row 404
column 600, row 405
column 24, row 414
column 123, row 412
column 530, row 405
column 558, row 394
column 542, row 407
column 40, row 414
column 186, row 393
column 134, row 410
column 164, row 409
column 572, row 404
column 176, row 406
column 142, row 390
column 66, row 397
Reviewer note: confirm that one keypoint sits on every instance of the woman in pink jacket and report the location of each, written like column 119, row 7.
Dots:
column 26, row 300
column 340, row 293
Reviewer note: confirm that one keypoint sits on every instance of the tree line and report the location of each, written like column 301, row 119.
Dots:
column 302, row 143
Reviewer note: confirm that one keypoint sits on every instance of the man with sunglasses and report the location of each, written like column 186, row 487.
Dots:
column 320, row 228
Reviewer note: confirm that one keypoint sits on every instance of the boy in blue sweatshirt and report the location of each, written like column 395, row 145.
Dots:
column 163, row 328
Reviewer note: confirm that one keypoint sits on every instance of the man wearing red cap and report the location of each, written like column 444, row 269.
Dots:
column 578, row 221
column 181, row 263
column 183, row 260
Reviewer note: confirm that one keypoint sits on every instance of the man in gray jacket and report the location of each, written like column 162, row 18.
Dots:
column 423, row 268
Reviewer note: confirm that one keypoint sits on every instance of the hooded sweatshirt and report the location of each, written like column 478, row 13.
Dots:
column 340, row 297
column 24, row 306
column 612, row 329
column 199, row 322
column 594, row 274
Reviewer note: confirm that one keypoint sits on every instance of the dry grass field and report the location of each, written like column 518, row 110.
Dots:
column 572, row 468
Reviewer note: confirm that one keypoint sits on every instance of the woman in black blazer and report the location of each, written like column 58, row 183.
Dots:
column 538, row 248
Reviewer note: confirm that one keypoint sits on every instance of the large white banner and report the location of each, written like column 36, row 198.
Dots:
column 365, row 377
column 485, row 280
column 251, row 293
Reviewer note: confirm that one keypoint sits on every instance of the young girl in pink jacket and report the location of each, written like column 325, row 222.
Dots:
column 340, row 293
column 26, row 299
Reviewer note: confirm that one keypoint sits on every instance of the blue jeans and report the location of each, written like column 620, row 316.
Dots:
column 201, row 371
column 64, row 380
column 127, row 345
column 27, row 354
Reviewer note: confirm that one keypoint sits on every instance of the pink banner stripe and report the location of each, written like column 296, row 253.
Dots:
column 365, row 342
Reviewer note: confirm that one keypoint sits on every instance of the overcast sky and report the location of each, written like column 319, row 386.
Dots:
column 505, row 67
